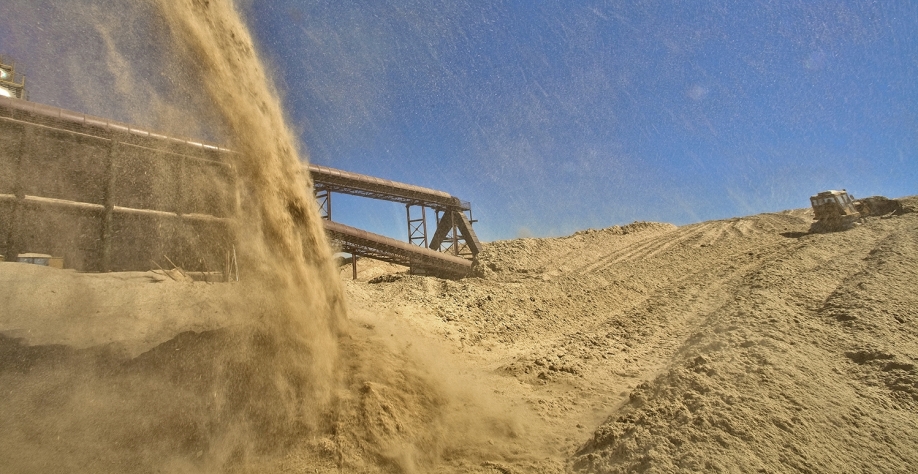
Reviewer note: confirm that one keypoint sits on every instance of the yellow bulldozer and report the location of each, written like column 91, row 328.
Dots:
column 837, row 210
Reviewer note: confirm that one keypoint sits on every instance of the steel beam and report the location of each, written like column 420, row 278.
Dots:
column 109, row 207
column 14, row 239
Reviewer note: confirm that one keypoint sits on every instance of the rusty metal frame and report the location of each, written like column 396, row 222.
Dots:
column 417, row 226
column 454, row 234
column 323, row 196
column 356, row 184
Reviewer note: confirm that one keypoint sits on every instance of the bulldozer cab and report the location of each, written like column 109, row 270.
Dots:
column 830, row 204
column 833, row 210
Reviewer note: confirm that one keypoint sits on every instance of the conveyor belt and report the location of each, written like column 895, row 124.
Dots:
column 346, row 182
column 419, row 259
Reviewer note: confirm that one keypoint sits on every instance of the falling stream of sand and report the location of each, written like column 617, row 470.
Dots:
column 280, row 228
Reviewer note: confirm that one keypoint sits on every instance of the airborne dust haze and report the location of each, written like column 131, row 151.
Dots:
column 283, row 382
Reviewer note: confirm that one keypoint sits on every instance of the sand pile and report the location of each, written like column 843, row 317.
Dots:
column 737, row 344
column 742, row 343
column 727, row 345
column 139, row 373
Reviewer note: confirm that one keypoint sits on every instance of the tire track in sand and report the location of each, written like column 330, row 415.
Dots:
column 642, row 339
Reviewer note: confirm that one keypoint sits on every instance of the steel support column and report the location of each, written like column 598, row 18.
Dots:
column 417, row 226
column 455, row 232
column 323, row 196
column 452, row 235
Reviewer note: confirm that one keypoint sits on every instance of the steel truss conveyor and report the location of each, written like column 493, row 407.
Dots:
column 453, row 234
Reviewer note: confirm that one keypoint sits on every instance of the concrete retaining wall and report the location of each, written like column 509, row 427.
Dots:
column 110, row 198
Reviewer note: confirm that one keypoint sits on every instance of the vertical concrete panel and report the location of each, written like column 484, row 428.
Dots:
column 137, row 241
column 207, row 188
column 200, row 245
column 64, row 165
column 61, row 232
column 6, row 217
column 10, row 139
column 145, row 179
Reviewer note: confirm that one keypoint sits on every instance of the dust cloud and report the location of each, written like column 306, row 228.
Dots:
column 139, row 373
column 744, row 343
column 383, row 406
column 263, row 375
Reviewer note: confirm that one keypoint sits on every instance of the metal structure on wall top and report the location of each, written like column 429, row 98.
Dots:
column 8, row 85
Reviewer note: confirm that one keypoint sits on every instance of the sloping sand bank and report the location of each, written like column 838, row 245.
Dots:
column 742, row 344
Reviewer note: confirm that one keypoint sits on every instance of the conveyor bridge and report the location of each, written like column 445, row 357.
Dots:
column 453, row 232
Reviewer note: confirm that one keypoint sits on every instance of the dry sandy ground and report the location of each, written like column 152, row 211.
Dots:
column 736, row 345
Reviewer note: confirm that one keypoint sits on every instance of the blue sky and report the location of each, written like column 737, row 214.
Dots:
column 552, row 117
column 556, row 116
